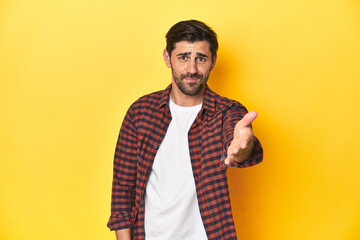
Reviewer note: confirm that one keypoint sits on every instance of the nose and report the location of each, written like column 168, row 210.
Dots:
column 192, row 67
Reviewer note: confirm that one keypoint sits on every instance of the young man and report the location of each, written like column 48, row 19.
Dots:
column 174, row 148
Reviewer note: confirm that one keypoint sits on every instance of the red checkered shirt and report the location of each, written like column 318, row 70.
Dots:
column 142, row 131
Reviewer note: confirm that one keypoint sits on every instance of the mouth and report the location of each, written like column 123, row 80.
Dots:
column 189, row 79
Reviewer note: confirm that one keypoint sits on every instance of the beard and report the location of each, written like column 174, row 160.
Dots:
column 190, row 88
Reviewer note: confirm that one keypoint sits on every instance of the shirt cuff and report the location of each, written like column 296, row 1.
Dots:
column 119, row 221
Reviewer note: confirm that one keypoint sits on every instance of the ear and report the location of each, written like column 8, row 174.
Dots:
column 213, row 62
column 167, row 58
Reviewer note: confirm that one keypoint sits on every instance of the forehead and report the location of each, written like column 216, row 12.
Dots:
column 193, row 47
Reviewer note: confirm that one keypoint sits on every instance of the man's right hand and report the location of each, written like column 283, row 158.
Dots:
column 123, row 234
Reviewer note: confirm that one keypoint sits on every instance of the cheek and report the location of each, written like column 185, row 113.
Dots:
column 205, row 69
column 178, row 68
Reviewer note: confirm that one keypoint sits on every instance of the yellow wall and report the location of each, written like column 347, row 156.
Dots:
column 70, row 69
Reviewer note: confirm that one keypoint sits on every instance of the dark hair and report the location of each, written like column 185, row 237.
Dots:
column 191, row 31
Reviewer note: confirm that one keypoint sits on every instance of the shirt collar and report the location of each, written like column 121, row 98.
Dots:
column 209, row 103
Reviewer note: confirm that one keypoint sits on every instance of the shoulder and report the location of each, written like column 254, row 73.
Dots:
column 148, row 100
column 223, row 103
column 147, row 104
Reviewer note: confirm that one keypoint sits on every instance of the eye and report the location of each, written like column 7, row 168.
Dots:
column 182, row 58
column 201, row 59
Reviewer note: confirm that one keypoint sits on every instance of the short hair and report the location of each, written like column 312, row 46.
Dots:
column 191, row 31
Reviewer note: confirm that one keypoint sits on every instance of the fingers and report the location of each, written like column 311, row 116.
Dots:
column 233, row 151
column 227, row 161
column 239, row 154
column 230, row 153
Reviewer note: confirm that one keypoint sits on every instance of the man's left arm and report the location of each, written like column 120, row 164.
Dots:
column 243, row 148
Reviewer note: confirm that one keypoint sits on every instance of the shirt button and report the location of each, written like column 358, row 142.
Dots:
column 155, row 147
column 140, row 195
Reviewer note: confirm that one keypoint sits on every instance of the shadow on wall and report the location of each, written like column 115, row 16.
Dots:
column 226, row 73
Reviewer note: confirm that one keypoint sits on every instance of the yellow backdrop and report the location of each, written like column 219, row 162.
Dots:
column 70, row 69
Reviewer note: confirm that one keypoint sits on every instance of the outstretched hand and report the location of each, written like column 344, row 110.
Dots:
column 242, row 145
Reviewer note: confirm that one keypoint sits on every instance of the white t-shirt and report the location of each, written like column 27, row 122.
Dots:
column 171, row 205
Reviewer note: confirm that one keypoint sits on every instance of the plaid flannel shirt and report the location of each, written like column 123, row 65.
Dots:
column 142, row 131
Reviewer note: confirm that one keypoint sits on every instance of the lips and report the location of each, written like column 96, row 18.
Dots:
column 192, row 79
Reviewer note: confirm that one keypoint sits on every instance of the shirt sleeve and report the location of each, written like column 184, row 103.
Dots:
column 124, row 176
column 232, row 115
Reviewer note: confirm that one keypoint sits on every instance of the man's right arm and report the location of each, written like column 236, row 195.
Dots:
column 124, row 178
column 123, row 234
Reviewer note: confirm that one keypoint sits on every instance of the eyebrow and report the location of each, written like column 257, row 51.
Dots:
column 189, row 53
column 201, row 54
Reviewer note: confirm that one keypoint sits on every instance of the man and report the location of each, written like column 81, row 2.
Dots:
column 174, row 148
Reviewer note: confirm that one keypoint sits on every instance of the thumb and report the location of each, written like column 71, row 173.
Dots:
column 247, row 119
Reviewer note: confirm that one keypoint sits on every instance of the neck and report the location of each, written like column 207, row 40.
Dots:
column 181, row 99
